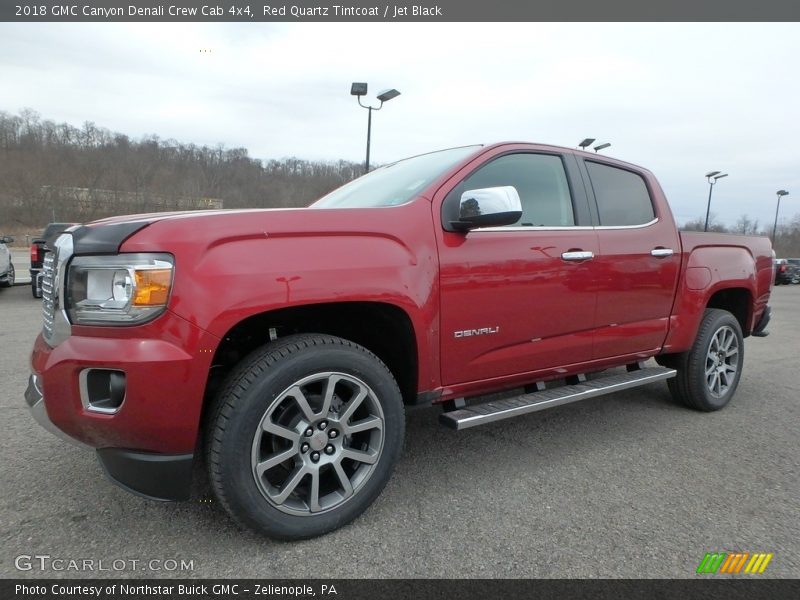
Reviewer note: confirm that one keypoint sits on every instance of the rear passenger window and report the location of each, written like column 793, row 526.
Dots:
column 622, row 196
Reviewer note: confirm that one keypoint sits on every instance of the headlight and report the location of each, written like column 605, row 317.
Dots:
column 120, row 289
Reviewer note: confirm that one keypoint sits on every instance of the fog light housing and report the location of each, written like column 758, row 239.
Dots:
column 102, row 390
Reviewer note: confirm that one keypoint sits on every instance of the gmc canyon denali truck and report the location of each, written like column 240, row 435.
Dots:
column 281, row 346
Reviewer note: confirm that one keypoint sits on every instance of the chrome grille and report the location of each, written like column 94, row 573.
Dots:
column 48, row 295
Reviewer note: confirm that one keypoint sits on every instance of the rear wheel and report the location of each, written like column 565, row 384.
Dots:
column 709, row 373
column 305, row 436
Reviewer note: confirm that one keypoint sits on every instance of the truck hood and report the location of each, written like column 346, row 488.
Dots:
column 212, row 227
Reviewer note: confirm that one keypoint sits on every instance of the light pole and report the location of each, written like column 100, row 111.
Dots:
column 781, row 194
column 360, row 89
column 712, row 179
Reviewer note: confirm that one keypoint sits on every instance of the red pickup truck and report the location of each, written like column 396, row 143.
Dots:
column 280, row 347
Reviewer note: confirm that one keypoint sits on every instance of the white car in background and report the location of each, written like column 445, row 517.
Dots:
column 6, row 266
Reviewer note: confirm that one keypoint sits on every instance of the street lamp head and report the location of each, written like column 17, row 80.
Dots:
column 720, row 176
column 782, row 193
column 586, row 143
column 712, row 173
column 358, row 89
column 602, row 147
column 387, row 95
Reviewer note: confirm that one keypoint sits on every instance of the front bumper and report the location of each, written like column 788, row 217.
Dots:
column 147, row 443
column 35, row 401
column 153, row 476
column 166, row 365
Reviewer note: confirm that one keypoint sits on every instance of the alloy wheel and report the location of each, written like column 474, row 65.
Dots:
column 318, row 443
column 722, row 361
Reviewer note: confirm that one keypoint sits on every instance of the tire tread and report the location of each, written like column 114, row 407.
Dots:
column 245, row 374
column 686, row 387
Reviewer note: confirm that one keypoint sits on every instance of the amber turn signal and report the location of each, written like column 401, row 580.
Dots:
column 152, row 287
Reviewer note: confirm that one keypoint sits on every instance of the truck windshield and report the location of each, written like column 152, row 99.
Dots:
column 396, row 183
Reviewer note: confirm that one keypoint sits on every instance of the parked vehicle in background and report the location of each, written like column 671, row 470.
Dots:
column 795, row 262
column 284, row 344
column 785, row 272
column 39, row 248
column 6, row 266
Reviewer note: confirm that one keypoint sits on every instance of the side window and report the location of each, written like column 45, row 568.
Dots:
column 622, row 197
column 540, row 180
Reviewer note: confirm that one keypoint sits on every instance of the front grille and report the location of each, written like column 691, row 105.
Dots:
column 48, row 294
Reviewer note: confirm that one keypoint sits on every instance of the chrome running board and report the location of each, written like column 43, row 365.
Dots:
column 489, row 412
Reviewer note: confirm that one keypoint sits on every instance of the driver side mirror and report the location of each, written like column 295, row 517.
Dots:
column 488, row 207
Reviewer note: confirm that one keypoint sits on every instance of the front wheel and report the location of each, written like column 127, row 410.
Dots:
column 305, row 435
column 10, row 277
column 709, row 373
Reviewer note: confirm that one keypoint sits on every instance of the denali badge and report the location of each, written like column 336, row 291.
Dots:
column 474, row 332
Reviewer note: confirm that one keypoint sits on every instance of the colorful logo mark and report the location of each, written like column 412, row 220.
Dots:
column 734, row 562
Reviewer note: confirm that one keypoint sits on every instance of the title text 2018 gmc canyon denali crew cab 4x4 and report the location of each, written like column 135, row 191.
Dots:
column 282, row 345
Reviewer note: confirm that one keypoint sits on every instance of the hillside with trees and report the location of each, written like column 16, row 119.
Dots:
column 57, row 172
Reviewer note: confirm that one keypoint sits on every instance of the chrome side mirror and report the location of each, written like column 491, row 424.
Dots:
column 488, row 207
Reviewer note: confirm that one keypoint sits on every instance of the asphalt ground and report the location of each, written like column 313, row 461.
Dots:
column 21, row 259
column 627, row 485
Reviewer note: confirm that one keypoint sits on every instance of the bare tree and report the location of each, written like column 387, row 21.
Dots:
column 746, row 226
column 699, row 224
column 55, row 170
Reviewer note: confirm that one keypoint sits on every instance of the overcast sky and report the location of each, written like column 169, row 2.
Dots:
column 679, row 99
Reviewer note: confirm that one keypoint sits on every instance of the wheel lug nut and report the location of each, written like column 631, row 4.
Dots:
column 315, row 456
column 333, row 434
column 323, row 426
column 304, row 448
column 309, row 432
column 329, row 449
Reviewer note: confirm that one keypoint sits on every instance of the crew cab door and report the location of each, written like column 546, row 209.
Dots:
column 514, row 299
column 638, row 263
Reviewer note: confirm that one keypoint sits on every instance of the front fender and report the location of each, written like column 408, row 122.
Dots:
column 233, row 266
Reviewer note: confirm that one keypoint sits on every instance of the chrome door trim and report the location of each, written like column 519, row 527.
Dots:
column 568, row 228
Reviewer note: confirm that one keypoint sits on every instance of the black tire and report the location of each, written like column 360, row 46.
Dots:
column 696, row 385
column 261, row 388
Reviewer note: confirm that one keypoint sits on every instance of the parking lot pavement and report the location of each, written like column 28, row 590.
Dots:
column 628, row 485
column 22, row 265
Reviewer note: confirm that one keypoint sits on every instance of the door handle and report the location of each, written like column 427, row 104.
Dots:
column 661, row 252
column 577, row 255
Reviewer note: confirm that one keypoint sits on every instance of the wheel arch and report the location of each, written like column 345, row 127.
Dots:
column 691, row 306
column 736, row 300
column 384, row 329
